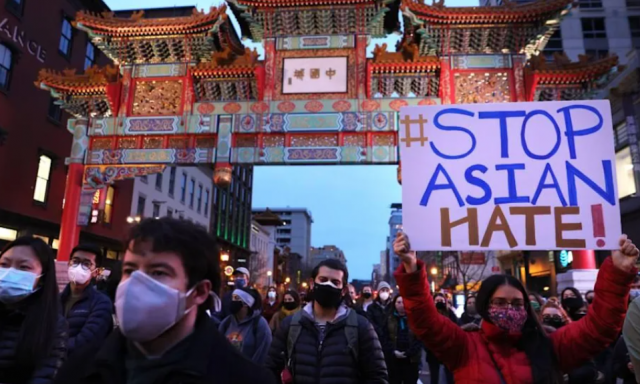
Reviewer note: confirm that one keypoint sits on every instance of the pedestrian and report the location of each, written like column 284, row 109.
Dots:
column 32, row 329
column 403, row 351
column 271, row 304
column 631, row 334
column 327, row 342
column 573, row 303
column 352, row 294
column 589, row 297
column 444, row 307
column 365, row 299
column 436, row 368
column 511, row 346
column 622, row 367
column 170, row 278
column 241, row 279
column 470, row 314
column 290, row 305
column 536, row 301
column 378, row 312
column 245, row 328
column 635, row 289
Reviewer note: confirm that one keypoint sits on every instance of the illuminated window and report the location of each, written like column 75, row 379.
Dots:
column 89, row 56
column 66, row 38
column 8, row 234
column 624, row 170
column 96, row 203
column 42, row 179
column 108, row 206
column 6, row 59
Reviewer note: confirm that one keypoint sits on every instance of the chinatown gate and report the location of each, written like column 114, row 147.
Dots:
column 185, row 91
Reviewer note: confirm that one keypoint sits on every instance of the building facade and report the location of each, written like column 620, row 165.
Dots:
column 264, row 250
column 395, row 225
column 180, row 192
column 34, row 140
column 295, row 231
column 324, row 253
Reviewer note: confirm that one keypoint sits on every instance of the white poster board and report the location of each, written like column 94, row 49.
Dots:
column 521, row 176
column 314, row 75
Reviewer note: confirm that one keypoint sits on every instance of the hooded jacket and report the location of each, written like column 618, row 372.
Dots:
column 251, row 336
column 327, row 360
column 475, row 357
column 90, row 318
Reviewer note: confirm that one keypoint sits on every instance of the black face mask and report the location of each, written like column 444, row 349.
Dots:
column 290, row 305
column 366, row 295
column 555, row 323
column 327, row 296
column 441, row 306
column 236, row 306
column 572, row 304
column 577, row 316
column 590, row 300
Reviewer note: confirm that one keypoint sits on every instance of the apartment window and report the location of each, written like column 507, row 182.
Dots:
column 621, row 135
column 593, row 28
column 144, row 179
column 283, row 231
column 207, row 195
column 192, row 192
column 554, row 44
column 89, row 56
column 625, row 172
column 590, row 4
column 172, row 181
column 42, row 179
column 66, row 38
column 141, row 202
column 199, row 197
column 597, row 53
column 15, row 6
column 169, row 212
column 183, row 188
column 6, row 59
column 159, row 181
column 54, row 112
column 156, row 210
column 108, row 205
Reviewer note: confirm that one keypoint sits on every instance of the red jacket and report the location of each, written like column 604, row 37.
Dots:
column 467, row 354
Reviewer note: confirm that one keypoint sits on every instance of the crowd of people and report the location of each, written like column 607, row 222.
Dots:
column 160, row 320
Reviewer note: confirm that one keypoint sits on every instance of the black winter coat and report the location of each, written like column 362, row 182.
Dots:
column 377, row 315
column 209, row 359
column 90, row 320
column 620, row 361
column 329, row 362
column 10, row 324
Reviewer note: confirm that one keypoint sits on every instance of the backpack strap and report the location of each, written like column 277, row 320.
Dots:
column 292, row 335
column 351, row 332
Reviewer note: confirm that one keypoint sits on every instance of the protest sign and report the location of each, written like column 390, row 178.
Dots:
column 509, row 176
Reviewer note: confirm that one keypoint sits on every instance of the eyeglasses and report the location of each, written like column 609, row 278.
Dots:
column 499, row 302
column 86, row 264
column 552, row 318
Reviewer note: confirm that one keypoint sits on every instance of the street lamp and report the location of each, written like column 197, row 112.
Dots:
column 305, row 285
column 224, row 257
column 130, row 220
column 434, row 271
column 287, row 280
column 269, row 273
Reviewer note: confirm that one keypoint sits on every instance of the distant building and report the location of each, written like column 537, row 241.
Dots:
column 263, row 245
column 324, row 253
column 376, row 276
column 384, row 265
column 395, row 225
column 295, row 231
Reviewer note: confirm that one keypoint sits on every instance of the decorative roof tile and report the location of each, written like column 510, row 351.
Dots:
column 227, row 62
column 563, row 71
column 94, row 80
column 407, row 59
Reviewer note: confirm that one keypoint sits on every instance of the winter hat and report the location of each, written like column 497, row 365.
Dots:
column 244, row 271
column 383, row 284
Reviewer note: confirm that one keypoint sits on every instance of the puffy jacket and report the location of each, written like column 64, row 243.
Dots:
column 45, row 371
column 329, row 361
column 389, row 340
column 621, row 362
column 378, row 314
column 471, row 355
column 90, row 319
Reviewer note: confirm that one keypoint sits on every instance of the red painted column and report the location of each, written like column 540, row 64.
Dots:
column 69, row 229
column 584, row 259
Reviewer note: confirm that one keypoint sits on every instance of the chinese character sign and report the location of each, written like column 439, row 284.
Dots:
column 509, row 176
column 314, row 75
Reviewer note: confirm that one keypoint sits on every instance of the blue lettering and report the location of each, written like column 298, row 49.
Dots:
column 524, row 139
column 608, row 194
column 436, row 122
column 571, row 133
column 473, row 180
column 433, row 186
column 504, row 136
column 542, row 185
column 513, row 193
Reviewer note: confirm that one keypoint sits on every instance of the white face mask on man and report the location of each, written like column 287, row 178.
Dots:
column 384, row 296
column 78, row 275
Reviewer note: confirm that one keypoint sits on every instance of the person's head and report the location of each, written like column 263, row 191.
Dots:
column 573, row 303
column 536, row 301
column 84, row 264
column 635, row 289
column 241, row 277
column 384, row 291
column 441, row 302
column 28, row 281
column 272, row 293
column 352, row 292
column 398, row 304
column 554, row 316
column 291, row 300
column 169, row 269
column 470, row 305
column 589, row 296
column 367, row 292
column 245, row 301
column 636, row 283
column 329, row 283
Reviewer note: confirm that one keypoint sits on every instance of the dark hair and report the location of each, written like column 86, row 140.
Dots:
column 534, row 341
column 440, row 295
column 588, row 292
column 195, row 247
column 332, row 264
column 466, row 301
column 394, row 301
column 572, row 289
column 90, row 248
column 294, row 294
column 538, row 297
column 257, row 298
column 42, row 308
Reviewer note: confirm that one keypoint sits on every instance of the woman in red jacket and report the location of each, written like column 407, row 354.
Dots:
column 511, row 346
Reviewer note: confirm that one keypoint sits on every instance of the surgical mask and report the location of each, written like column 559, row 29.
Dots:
column 508, row 319
column 634, row 293
column 78, row 275
column 535, row 306
column 146, row 308
column 240, row 283
column 327, row 295
column 15, row 284
column 271, row 295
column 384, row 296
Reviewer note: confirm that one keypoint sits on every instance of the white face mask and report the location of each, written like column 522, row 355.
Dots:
column 78, row 275
column 146, row 308
column 384, row 296
column 15, row 284
column 272, row 295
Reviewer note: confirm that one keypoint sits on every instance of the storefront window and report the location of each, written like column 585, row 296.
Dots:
column 624, row 170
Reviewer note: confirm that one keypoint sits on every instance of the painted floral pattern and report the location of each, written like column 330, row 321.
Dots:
column 286, row 107
column 370, row 105
column 260, row 107
column 314, row 106
column 206, row 108
column 397, row 104
column 341, row 106
column 232, row 107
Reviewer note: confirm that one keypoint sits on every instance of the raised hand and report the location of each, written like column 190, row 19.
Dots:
column 402, row 248
column 626, row 257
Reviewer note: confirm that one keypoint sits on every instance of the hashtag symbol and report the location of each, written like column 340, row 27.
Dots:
column 408, row 122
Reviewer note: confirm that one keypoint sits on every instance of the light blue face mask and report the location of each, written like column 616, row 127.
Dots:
column 15, row 284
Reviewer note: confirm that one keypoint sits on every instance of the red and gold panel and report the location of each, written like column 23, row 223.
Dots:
column 273, row 141
column 314, row 140
column 127, row 143
column 102, row 143
column 178, row 143
column 157, row 98
column 152, row 142
column 354, row 140
column 483, row 87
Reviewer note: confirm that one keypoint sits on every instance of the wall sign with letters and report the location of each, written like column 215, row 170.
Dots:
column 19, row 38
